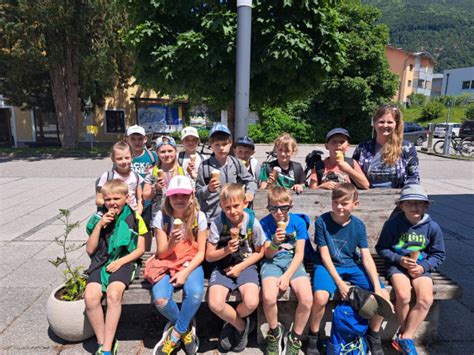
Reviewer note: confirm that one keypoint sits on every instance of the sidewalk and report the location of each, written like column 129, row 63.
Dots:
column 32, row 191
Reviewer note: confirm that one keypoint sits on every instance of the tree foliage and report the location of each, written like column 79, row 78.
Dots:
column 55, row 52
column 185, row 47
column 349, row 96
column 443, row 28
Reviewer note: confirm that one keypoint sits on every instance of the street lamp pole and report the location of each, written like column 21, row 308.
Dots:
column 242, row 75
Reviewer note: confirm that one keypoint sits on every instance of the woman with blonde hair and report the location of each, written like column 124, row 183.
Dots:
column 387, row 160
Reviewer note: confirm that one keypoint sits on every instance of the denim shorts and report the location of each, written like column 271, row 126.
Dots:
column 249, row 275
column 277, row 266
column 356, row 275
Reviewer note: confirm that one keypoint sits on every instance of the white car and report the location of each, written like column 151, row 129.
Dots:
column 440, row 130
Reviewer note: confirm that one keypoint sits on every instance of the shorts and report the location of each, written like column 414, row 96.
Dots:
column 278, row 265
column 125, row 274
column 146, row 215
column 356, row 275
column 397, row 269
column 249, row 275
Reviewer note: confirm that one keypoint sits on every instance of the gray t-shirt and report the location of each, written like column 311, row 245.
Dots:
column 218, row 230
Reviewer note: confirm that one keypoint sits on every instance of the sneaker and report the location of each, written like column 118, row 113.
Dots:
column 227, row 338
column 99, row 350
column 189, row 340
column 312, row 348
column 166, row 346
column 115, row 346
column 273, row 342
column 405, row 346
column 374, row 342
column 292, row 345
column 243, row 337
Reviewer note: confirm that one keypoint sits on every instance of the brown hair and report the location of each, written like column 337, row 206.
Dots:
column 232, row 191
column 279, row 194
column 285, row 140
column 344, row 190
column 220, row 136
column 393, row 148
column 190, row 216
column 120, row 145
column 114, row 186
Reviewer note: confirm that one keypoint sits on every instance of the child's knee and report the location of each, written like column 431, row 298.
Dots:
column 114, row 297
column 403, row 296
column 425, row 302
column 92, row 299
column 251, row 303
column 161, row 302
column 320, row 299
column 269, row 299
column 306, row 300
column 216, row 307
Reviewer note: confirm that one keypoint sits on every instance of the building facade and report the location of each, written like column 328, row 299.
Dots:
column 458, row 81
column 415, row 72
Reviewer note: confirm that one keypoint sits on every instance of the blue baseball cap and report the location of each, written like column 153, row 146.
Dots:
column 335, row 131
column 247, row 141
column 164, row 140
column 219, row 127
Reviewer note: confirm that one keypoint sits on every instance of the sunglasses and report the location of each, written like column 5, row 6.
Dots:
column 283, row 208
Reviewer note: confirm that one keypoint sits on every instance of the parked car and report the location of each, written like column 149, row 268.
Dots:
column 440, row 130
column 467, row 129
column 414, row 133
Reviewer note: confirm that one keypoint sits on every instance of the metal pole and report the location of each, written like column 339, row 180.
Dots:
column 242, row 75
column 447, row 139
column 429, row 145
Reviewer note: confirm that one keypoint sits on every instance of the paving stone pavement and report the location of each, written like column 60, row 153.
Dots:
column 32, row 191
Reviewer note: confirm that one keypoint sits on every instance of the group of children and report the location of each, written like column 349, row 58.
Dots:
column 197, row 209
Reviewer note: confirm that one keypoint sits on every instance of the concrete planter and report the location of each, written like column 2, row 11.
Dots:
column 68, row 319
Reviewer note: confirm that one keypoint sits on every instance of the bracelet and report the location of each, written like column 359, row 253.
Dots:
column 274, row 246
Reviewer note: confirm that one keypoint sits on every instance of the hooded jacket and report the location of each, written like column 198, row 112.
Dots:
column 399, row 237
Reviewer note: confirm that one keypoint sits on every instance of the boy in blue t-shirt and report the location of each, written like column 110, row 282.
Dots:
column 286, row 235
column 143, row 161
column 338, row 234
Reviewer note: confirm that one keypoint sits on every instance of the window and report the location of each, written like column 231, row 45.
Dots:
column 115, row 121
column 472, row 84
column 466, row 84
column 411, row 67
column 409, row 83
column 46, row 126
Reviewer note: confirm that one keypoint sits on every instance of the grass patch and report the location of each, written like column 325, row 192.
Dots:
column 414, row 115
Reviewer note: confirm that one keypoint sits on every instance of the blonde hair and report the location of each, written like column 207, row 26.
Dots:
column 285, row 140
column 393, row 148
column 232, row 191
column 114, row 186
column 344, row 190
column 120, row 145
column 279, row 194
column 190, row 216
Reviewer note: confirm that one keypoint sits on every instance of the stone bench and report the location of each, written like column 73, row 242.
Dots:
column 375, row 207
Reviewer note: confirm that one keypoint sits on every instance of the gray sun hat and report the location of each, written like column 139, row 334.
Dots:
column 368, row 303
column 413, row 193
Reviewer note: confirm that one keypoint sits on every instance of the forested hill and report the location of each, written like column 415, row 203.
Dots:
column 444, row 28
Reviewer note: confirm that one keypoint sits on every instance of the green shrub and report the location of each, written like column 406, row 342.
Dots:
column 431, row 110
column 417, row 100
column 469, row 113
column 275, row 121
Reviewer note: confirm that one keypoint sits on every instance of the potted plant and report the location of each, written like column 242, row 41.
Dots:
column 65, row 309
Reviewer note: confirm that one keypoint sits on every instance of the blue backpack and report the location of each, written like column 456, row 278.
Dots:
column 348, row 331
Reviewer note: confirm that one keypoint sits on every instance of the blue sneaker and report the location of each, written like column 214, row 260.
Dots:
column 405, row 346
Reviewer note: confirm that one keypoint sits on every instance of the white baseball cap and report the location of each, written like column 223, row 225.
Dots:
column 136, row 130
column 189, row 131
column 179, row 184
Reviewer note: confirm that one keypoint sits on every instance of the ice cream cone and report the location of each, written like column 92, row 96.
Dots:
column 177, row 224
column 275, row 172
column 339, row 155
column 192, row 158
column 414, row 255
column 160, row 173
column 281, row 225
column 216, row 174
column 234, row 233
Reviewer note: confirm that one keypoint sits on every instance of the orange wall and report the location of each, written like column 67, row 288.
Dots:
column 399, row 62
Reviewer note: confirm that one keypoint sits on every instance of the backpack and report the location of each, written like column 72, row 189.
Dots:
column 180, row 171
column 235, row 257
column 348, row 331
column 207, row 171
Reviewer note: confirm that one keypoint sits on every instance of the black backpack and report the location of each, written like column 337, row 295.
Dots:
column 207, row 169
column 181, row 157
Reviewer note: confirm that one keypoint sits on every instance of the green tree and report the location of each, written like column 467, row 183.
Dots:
column 349, row 96
column 55, row 52
column 188, row 47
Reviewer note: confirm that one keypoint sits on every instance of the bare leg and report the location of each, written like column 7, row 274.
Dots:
column 269, row 301
column 250, row 299
column 218, row 304
column 95, row 313
column 302, row 288
column 424, row 299
column 114, row 309
column 402, row 287
column 320, row 300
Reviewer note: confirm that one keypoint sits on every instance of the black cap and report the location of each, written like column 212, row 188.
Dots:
column 247, row 141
